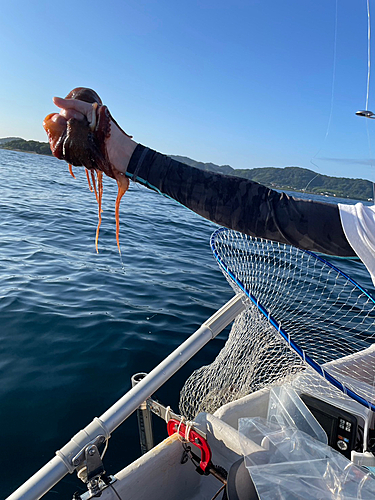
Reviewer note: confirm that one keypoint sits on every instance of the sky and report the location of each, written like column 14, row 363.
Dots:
column 249, row 83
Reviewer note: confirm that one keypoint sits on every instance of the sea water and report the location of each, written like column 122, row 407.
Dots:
column 76, row 325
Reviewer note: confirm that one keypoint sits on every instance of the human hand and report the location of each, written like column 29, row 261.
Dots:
column 85, row 133
column 75, row 108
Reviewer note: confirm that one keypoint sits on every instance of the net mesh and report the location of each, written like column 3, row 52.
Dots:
column 324, row 316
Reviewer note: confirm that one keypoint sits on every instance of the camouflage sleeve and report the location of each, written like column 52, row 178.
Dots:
column 242, row 204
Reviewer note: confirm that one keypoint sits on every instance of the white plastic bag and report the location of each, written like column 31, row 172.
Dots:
column 295, row 466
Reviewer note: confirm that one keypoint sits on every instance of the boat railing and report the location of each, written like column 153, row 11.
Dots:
column 68, row 458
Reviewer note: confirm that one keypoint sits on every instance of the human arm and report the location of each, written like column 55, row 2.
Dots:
column 243, row 205
column 234, row 202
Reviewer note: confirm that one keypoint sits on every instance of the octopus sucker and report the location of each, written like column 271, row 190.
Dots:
column 81, row 142
column 71, row 171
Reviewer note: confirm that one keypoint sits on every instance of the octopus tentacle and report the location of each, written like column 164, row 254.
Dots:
column 94, row 184
column 88, row 180
column 71, row 171
column 123, row 186
column 100, row 196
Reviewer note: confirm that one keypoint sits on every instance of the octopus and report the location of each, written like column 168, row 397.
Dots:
column 81, row 143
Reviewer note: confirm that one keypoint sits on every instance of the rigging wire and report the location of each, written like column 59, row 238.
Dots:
column 368, row 89
column 332, row 95
column 366, row 112
column 370, row 156
column 368, row 52
column 368, row 86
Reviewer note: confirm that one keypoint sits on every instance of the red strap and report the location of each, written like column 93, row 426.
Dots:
column 174, row 426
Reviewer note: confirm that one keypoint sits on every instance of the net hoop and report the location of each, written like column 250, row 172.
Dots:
column 233, row 277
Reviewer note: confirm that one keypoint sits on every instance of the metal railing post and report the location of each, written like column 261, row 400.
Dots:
column 144, row 417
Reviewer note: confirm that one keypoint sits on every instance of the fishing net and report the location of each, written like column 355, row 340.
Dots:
column 302, row 315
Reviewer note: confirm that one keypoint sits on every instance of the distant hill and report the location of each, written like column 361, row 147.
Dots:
column 9, row 139
column 288, row 178
column 223, row 169
column 294, row 179
column 18, row 144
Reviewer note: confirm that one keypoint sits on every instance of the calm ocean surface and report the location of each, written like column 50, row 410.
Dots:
column 76, row 325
